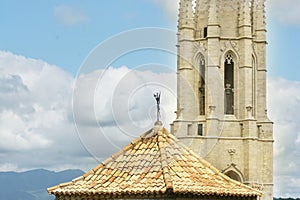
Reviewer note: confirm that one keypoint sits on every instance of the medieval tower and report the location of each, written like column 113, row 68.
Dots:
column 221, row 111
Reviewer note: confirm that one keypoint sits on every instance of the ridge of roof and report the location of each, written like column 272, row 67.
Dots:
column 155, row 162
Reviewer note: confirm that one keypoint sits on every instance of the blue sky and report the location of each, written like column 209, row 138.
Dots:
column 36, row 29
column 42, row 30
column 283, row 50
column 44, row 43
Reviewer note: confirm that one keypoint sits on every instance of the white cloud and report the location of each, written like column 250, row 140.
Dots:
column 69, row 15
column 111, row 107
column 17, row 136
column 286, row 12
column 284, row 104
column 118, row 106
column 35, row 113
column 4, row 167
column 36, row 123
column 170, row 7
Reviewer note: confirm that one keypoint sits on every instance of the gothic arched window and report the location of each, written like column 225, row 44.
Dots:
column 202, row 86
column 229, row 84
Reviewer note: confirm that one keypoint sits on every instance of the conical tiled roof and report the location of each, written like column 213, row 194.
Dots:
column 155, row 164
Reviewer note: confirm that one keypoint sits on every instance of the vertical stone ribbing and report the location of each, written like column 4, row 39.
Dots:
column 197, row 23
column 215, row 95
column 213, row 13
column 259, row 14
column 266, row 126
column 244, row 13
column 186, row 80
column 186, row 15
column 246, row 68
column 259, row 21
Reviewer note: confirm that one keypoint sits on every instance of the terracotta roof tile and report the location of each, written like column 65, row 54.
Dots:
column 154, row 163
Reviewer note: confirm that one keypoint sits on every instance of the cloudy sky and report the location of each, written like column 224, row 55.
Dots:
column 65, row 105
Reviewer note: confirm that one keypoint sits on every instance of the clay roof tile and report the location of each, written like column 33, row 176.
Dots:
column 153, row 164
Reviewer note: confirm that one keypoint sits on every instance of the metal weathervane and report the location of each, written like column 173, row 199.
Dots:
column 157, row 98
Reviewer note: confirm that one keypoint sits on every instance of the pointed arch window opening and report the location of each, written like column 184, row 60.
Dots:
column 233, row 175
column 229, row 85
column 202, row 86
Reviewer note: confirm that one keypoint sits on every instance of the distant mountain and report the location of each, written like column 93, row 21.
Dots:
column 32, row 185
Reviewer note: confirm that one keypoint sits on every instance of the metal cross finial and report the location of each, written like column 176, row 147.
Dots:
column 157, row 98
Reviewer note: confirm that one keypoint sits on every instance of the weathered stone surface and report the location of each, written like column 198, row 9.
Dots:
column 241, row 142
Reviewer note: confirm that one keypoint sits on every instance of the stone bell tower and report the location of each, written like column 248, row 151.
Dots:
column 221, row 110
